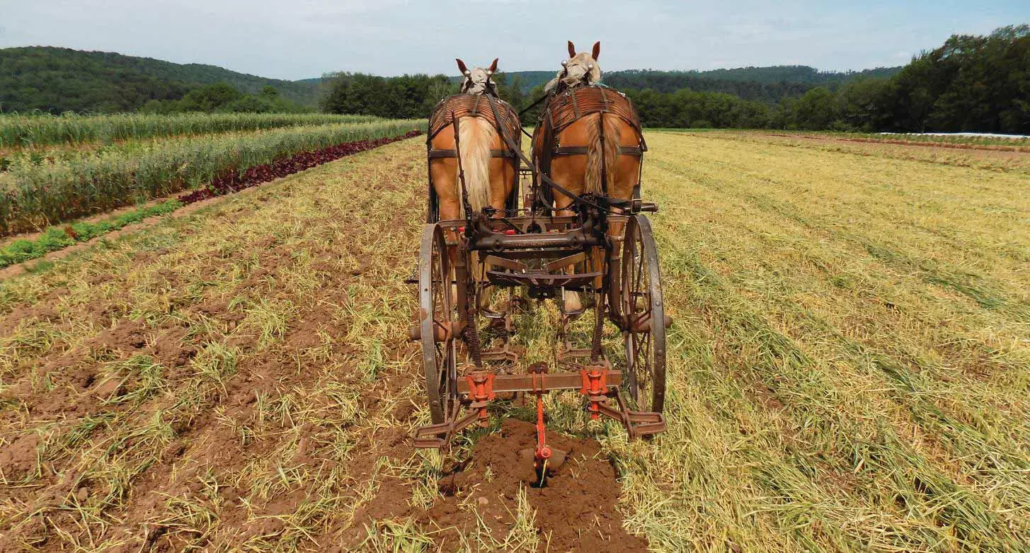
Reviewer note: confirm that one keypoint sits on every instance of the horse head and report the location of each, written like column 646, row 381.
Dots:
column 579, row 69
column 478, row 80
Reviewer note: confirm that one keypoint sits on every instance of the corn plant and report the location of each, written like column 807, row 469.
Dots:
column 18, row 131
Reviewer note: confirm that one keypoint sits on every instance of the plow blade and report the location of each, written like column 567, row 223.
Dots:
column 429, row 437
column 645, row 424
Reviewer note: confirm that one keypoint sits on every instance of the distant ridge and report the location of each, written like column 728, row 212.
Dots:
column 60, row 79
column 751, row 83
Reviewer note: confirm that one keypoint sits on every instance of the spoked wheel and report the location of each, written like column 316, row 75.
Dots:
column 437, row 318
column 643, row 317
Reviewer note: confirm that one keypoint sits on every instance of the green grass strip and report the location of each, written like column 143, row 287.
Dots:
column 60, row 237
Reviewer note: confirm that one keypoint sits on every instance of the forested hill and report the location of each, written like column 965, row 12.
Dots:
column 786, row 73
column 768, row 84
column 60, row 79
column 527, row 80
column 765, row 84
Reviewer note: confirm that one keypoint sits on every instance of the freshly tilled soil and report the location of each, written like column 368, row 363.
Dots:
column 241, row 379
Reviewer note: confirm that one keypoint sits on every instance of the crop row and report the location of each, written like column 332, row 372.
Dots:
column 45, row 129
column 37, row 195
column 987, row 141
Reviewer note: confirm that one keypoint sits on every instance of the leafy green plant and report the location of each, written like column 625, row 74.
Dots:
column 57, row 238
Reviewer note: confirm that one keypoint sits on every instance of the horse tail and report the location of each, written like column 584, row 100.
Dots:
column 598, row 152
column 475, row 136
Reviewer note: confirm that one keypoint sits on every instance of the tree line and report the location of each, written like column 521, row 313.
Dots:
column 970, row 83
column 223, row 98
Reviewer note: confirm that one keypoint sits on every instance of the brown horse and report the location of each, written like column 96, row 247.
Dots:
column 587, row 132
column 490, row 169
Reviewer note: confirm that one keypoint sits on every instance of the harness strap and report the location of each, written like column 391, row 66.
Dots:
column 435, row 154
column 534, row 104
column 570, row 151
column 635, row 151
column 544, row 177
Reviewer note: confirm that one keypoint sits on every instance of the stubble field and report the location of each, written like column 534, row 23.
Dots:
column 849, row 370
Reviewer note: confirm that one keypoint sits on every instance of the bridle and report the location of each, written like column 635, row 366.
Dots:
column 489, row 86
column 560, row 87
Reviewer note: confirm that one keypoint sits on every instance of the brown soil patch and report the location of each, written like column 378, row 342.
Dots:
column 279, row 450
column 576, row 511
column 19, row 457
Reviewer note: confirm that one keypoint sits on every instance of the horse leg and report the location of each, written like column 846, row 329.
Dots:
column 572, row 301
column 443, row 173
column 627, row 177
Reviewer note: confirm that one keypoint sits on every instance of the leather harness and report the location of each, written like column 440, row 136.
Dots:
column 498, row 112
column 565, row 107
column 468, row 105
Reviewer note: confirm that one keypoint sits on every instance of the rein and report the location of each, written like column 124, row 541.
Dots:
column 534, row 104
column 579, row 200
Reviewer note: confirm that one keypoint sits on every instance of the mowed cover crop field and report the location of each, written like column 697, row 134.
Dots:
column 848, row 370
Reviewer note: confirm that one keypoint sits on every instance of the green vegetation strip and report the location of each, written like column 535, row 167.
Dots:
column 57, row 238
column 35, row 195
column 45, row 129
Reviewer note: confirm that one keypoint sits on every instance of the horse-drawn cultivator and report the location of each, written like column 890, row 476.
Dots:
column 479, row 272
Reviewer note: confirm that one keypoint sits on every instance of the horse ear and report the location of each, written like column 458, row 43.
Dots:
column 597, row 50
column 461, row 67
column 493, row 66
column 572, row 49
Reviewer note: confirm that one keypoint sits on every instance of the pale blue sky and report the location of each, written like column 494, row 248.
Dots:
column 295, row 39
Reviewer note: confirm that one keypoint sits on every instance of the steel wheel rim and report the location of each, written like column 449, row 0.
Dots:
column 640, row 302
column 436, row 316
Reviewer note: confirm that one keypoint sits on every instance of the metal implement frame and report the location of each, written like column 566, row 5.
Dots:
column 530, row 251
column 533, row 248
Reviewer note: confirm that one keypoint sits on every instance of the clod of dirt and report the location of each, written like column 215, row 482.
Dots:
column 126, row 335
column 404, row 411
column 19, row 457
column 173, row 451
column 17, row 393
column 109, row 389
